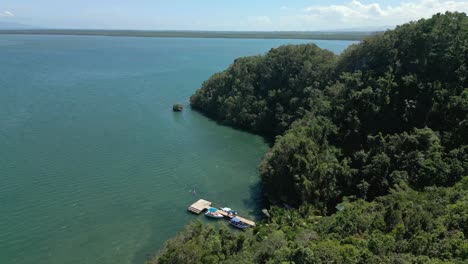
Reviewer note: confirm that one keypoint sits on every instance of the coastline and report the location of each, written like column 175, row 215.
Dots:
column 352, row 36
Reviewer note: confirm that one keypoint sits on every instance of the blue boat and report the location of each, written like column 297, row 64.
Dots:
column 213, row 213
column 236, row 222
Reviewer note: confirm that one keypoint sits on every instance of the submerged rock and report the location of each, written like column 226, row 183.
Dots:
column 177, row 107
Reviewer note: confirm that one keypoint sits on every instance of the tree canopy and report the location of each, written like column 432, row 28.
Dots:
column 265, row 94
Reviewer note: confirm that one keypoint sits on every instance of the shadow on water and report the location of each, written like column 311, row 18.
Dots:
column 148, row 250
column 256, row 201
column 268, row 139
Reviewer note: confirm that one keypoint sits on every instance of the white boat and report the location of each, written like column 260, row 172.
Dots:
column 213, row 213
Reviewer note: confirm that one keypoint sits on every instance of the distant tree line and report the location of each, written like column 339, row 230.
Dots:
column 343, row 35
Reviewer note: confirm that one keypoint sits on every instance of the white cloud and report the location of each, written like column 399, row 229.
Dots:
column 358, row 14
column 6, row 14
column 352, row 10
column 424, row 8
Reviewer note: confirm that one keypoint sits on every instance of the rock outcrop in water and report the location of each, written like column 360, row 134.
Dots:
column 177, row 107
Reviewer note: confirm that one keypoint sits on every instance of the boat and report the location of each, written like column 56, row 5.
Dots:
column 236, row 222
column 213, row 213
column 228, row 210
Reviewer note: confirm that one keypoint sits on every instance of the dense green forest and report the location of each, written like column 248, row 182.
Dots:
column 370, row 147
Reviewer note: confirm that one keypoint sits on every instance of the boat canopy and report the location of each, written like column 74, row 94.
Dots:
column 235, row 219
column 212, row 209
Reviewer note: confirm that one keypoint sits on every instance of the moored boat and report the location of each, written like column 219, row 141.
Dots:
column 213, row 213
column 236, row 222
column 228, row 210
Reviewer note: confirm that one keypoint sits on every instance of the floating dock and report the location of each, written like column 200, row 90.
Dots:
column 202, row 205
column 199, row 206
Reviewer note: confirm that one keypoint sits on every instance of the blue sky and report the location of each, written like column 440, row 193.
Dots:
column 221, row 14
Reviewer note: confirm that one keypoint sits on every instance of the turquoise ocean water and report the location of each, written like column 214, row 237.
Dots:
column 94, row 165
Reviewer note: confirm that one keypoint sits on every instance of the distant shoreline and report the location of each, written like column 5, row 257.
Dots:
column 356, row 36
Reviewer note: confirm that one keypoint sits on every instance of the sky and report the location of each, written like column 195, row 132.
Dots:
column 224, row 15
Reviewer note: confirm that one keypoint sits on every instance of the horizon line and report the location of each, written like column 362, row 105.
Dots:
column 317, row 35
column 202, row 30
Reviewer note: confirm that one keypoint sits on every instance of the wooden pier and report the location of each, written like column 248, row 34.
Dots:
column 199, row 206
column 202, row 205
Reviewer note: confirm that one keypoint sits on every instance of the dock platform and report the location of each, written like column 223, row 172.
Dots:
column 243, row 220
column 202, row 205
column 199, row 206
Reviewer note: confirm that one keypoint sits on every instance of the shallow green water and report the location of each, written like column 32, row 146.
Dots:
column 94, row 165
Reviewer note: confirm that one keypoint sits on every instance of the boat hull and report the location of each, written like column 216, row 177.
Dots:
column 216, row 216
column 241, row 226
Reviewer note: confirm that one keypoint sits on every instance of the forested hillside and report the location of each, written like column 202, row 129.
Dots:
column 265, row 94
column 381, row 131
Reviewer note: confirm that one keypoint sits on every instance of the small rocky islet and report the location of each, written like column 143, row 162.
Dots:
column 177, row 107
